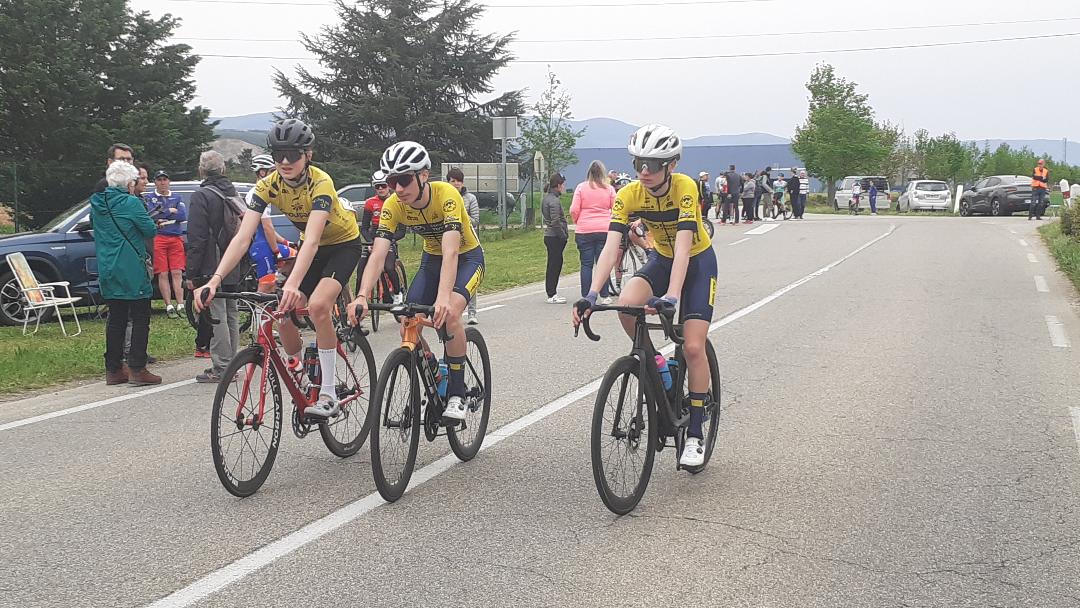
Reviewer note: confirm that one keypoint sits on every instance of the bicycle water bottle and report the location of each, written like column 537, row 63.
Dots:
column 673, row 368
column 665, row 373
column 311, row 362
column 442, row 378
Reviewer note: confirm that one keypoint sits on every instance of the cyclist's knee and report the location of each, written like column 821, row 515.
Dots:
column 319, row 309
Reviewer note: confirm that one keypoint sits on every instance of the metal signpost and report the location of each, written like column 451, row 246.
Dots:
column 503, row 128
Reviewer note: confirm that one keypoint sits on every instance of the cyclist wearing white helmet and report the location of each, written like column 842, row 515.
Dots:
column 683, row 266
column 621, row 180
column 261, row 253
column 369, row 224
column 329, row 251
column 452, row 265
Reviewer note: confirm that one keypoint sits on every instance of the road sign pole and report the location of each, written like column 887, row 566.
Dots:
column 502, row 187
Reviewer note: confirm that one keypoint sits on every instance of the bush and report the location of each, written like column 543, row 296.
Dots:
column 1070, row 220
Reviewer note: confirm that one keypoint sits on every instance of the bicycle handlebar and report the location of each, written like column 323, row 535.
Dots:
column 408, row 309
column 667, row 319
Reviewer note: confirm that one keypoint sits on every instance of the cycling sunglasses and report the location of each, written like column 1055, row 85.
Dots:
column 291, row 156
column 654, row 165
column 404, row 180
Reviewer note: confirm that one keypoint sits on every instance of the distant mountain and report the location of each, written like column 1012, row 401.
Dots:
column 612, row 133
column 247, row 122
column 1043, row 147
column 231, row 148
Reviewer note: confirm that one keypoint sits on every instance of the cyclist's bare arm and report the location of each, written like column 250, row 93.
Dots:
column 376, row 258
column 451, row 241
column 684, row 241
column 272, row 237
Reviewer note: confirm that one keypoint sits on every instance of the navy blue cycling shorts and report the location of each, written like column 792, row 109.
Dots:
column 425, row 285
column 699, row 289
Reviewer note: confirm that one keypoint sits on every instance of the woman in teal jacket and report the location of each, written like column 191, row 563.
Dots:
column 121, row 226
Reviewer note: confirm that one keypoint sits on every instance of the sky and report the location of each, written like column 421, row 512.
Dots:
column 1021, row 89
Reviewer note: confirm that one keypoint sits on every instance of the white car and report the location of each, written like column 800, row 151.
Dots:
column 922, row 194
column 843, row 192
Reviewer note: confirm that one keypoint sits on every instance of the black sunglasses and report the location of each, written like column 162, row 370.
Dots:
column 654, row 165
column 404, row 180
column 291, row 156
column 377, row 186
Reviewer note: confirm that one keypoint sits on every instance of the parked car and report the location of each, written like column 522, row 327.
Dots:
column 843, row 192
column 63, row 250
column 922, row 194
column 997, row 195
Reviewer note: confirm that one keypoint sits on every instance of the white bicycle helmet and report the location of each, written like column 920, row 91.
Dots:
column 262, row 161
column 378, row 178
column 655, row 141
column 405, row 157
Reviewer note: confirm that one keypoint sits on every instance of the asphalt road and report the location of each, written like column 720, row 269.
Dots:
column 896, row 431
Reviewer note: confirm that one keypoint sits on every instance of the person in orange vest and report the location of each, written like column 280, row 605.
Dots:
column 1040, row 184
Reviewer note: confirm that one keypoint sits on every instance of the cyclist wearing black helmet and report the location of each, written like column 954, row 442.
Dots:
column 330, row 247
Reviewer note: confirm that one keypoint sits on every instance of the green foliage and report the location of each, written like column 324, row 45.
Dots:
column 77, row 76
column 549, row 131
column 402, row 69
column 827, row 90
column 946, row 158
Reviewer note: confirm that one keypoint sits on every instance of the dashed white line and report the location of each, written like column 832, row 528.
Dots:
column 1023, row 243
column 1012, row 231
column 230, row 573
column 1032, row 258
column 485, row 309
column 739, row 241
column 1074, row 413
column 1057, row 332
column 763, row 229
column 1040, row 284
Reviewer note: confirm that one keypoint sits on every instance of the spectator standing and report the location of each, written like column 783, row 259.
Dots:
column 734, row 190
column 763, row 191
column 704, row 194
column 556, row 234
column 748, row 192
column 213, row 218
column 721, row 197
column 804, row 191
column 1040, row 182
column 856, row 194
column 117, row 152
column 456, row 177
column 591, row 212
column 169, row 212
column 121, row 225
column 872, row 194
column 793, row 186
column 612, row 177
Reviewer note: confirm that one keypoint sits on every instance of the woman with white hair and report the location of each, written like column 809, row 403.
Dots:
column 121, row 227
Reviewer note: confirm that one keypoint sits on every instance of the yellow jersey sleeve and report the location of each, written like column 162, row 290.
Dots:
column 260, row 198
column 620, row 211
column 389, row 218
column 453, row 208
column 323, row 195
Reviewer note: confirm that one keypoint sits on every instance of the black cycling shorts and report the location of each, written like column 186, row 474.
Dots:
column 336, row 262
column 425, row 285
column 699, row 289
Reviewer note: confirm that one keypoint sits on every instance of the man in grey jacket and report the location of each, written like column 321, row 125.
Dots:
column 457, row 179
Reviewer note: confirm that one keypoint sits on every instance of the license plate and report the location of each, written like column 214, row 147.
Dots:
column 1027, row 202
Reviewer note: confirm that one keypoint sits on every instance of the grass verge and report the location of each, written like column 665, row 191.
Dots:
column 1064, row 248
column 827, row 209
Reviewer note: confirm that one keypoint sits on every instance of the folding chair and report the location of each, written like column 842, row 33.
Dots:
column 40, row 297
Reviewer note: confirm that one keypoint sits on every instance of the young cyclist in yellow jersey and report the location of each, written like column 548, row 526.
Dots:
column 682, row 266
column 330, row 248
column 452, row 265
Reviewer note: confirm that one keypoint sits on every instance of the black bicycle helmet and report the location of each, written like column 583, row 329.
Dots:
column 290, row 134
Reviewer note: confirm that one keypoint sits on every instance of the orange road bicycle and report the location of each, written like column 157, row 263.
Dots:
column 246, row 420
column 411, row 394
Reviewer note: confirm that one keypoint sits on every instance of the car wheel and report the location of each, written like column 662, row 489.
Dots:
column 11, row 303
column 965, row 209
column 995, row 207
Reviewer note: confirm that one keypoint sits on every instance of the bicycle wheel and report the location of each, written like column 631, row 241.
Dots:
column 403, row 277
column 712, row 408
column 395, row 424
column 354, row 376
column 709, row 228
column 623, row 437
column 787, row 212
column 631, row 260
column 189, row 309
column 376, row 296
column 243, row 451
column 466, row 441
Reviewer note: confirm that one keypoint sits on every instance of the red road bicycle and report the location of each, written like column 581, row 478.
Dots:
column 246, row 420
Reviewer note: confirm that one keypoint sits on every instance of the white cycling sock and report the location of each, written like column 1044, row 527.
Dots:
column 327, row 366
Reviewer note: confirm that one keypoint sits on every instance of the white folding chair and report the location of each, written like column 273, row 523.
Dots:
column 40, row 297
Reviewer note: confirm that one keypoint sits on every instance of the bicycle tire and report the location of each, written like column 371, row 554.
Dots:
column 787, row 212
column 632, row 259
column 466, row 443
column 189, row 309
column 398, row 362
column 625, row 367
column 357, row 375
column 253, row 357
column 709, row 228
column 403, row 277
column 712, row 408
column 376, row 296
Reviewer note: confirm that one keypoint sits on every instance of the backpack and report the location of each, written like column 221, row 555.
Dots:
column 231, row 216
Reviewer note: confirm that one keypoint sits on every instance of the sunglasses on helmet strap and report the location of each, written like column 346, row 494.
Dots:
column 291, row 155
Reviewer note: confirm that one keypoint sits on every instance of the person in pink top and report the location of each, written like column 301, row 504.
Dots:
column 591, row 211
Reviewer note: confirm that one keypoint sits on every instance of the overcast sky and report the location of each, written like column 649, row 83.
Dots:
column 1017, row 89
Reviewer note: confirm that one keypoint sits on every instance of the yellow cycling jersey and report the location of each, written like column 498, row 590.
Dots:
column 316, row 194
column 444, row 212
column 664, row 216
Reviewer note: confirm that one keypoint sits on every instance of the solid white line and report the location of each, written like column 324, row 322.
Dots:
column 1032, row 258
column 739, row 241
column 1075, row 414
column 1023, row 243
column 221, row 578
column 485, row 309
column 96, row 404
column 1057, row 332
column 1040, row 284
column 763, row 229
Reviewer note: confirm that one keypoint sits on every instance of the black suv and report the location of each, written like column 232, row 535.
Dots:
column 63, row 250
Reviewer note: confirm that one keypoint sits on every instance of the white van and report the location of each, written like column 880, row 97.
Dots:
column 843, row 192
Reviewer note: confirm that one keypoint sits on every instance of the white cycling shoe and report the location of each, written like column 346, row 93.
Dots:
column 693, row 454
column 455, row 408
column 325, row 407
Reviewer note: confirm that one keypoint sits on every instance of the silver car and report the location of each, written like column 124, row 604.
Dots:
column 924, row 194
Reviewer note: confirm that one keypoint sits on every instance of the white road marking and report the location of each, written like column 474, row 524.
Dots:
column 1040, row 284
column 1074, row 412
column 230, row 573
column 1012, row 231
column 1023, row 243
column 484, row 309
column 1032, row 258
column 739, row 241
column 1057, row 332
column 763, row 229
column 89, row 406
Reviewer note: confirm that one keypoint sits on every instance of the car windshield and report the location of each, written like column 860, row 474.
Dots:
column 63, row 217
column 931, row 186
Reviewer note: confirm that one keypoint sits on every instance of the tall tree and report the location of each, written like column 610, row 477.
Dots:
column 402, row 69
column 839, row 137
column 76, row 76
column 947, row 158
column 549, row 131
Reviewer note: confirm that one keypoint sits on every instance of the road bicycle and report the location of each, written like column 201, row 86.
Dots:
column 411, row 394
column 383, row 288
column 780, row 209
column 635, row 415
column 853, row 205
column 632, row 258
column 249, row 282
column 246, row 419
